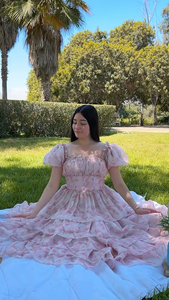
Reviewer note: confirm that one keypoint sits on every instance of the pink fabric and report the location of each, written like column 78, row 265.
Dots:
column 85, row 221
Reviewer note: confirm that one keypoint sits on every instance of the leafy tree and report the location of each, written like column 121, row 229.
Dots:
column 165, row 24
column 8, row 35
column 99, row 35
column 96, row 72
column 155, row 74
column 42, row 22
column 103, row 72
column 33, row 87
column 139, row 34
column 84, row 71
column 92, row 70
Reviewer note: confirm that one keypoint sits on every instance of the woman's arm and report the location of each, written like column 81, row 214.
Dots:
column 47, row 194
column 122, row 189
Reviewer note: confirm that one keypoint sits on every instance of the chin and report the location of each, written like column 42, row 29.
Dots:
column 78, row 135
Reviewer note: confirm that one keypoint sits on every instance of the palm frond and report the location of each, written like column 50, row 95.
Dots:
column 79, row 4
column 54, row 21
column 60, row 14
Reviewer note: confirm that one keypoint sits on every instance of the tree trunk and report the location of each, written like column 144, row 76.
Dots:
column 154, row 100
column 141, row 116
column 155, row 113
column 4, row 73
column 45, row 89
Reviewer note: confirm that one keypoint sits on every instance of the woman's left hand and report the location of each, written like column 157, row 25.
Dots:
column 145, row 211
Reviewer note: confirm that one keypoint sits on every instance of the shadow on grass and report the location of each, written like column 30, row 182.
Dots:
column 29, row 143
column 18, row 184
column 20, row 143
column 108, row 132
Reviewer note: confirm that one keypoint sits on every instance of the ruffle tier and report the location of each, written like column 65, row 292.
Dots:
column 85, row 228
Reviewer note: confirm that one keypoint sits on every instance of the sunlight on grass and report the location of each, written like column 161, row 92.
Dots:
column 23, row 176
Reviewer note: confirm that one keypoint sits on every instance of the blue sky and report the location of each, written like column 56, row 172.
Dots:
column 106, row 15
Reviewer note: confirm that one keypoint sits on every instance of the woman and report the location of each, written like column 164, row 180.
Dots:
column 85, row 221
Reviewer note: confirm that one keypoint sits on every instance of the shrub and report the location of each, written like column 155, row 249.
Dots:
column 44, row 119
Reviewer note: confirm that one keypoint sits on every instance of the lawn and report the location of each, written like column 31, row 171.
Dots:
column 23, row 176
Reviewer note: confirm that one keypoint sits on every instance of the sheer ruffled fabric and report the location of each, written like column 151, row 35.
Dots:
column 85, row 221
column 55, row 157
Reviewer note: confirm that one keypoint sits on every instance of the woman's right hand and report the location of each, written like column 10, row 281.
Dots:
column 145, row 211
column 30, row 215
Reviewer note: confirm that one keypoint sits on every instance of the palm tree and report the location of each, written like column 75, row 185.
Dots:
column 43, row 21
column 8, row 35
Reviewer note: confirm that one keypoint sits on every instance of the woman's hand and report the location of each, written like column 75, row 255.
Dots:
column 145, row 211
column 30, row 215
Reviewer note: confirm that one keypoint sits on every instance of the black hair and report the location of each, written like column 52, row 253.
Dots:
column 90, row 114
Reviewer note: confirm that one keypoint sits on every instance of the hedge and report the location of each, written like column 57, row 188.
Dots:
column 39, row 119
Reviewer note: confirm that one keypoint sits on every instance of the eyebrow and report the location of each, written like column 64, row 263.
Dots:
column 80, row 120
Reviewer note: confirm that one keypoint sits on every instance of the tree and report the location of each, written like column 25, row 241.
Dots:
column 100, row 72
column 42, row 22
column 148, row 15
column 8, row 35
column 125, row 76
column 33, row 87
column 165, row 24
column 92, row 70
column 155, row 75
column 96, row 72
column 83, row 72
column 139, row 34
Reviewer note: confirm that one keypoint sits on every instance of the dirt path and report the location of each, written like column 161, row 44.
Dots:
column 162, row 129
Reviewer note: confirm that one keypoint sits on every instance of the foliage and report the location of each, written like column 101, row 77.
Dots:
column 139, row 34
column 96, row 69
column 165, row 223
column 33, row 87
column 165, row 24
column 19, row 118
column 130, row 114
column 155, row 74
column 59, row 14
column 42, row 22
column 96, row 72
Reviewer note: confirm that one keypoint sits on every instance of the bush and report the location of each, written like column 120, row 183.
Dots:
column 44, row 119
column 148, row 121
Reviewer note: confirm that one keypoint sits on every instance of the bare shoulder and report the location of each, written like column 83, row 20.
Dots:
column 101, row 145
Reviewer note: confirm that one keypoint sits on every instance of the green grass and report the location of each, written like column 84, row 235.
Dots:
column 23, row 176
column 148, row 170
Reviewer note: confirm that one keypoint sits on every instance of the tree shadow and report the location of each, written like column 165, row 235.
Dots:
column 21, row 143
column 18, row 184
column 108, row 131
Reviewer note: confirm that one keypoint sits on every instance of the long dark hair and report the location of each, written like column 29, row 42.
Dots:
column 90, row 114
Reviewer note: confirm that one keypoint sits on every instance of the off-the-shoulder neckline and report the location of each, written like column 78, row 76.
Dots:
column 102, row 152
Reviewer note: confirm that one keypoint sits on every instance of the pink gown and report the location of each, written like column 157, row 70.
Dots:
column 85, row 221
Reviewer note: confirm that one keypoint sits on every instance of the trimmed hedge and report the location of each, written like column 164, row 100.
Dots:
column 26, row 118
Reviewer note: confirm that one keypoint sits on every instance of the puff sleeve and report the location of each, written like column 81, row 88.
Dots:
column 115, row 156
column 55, row 157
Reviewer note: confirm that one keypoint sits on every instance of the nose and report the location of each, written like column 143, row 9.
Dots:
column 77, row 125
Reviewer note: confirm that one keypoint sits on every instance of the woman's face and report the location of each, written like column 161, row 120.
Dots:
column 80, row 126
